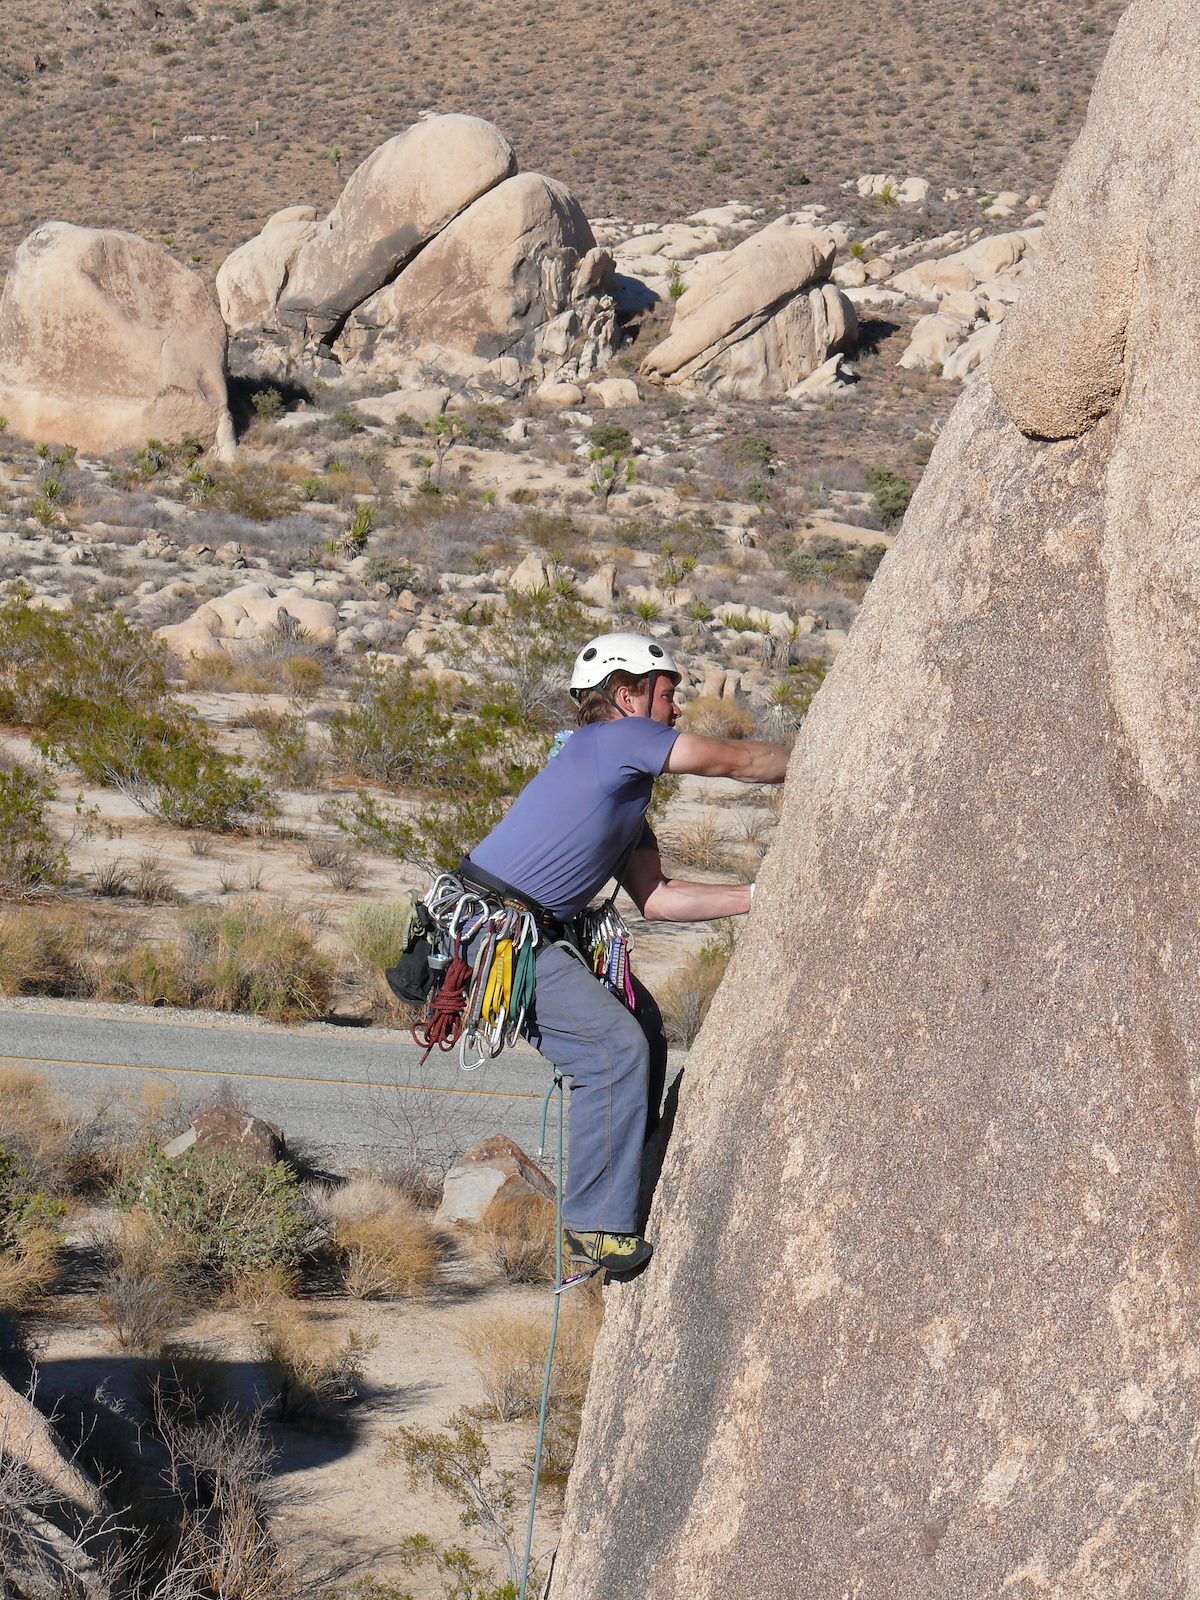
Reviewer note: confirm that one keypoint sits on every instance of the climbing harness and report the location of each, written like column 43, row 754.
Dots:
column 480, row 1006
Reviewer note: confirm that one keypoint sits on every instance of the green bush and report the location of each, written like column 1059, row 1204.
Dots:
column 31, row 858
column 23, row 1208
column 611, row 438
column 465, row 755
column 95, row 689
column 823, row 559
column 892, row 494
column 215, row 1217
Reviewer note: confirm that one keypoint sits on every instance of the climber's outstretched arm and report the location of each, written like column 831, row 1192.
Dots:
column 747, row 760
column 663, row 899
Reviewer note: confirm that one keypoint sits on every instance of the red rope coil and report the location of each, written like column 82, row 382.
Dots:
column 443, row 1027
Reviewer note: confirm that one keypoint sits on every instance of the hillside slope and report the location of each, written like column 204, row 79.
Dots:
column 194, row 119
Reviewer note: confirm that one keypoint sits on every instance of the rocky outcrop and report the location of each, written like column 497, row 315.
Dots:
column 923, row 1318
column 491, row 286
column 251, row 278
column 105, row 342
column 240, row 622
column 438, row 264
column 402, row 196
column 756, row 320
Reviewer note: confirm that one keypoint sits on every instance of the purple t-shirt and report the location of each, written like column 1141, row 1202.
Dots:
column 568, row 829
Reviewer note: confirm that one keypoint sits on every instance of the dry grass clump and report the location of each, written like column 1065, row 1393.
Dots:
column 142, row 1301
column 35, row 1125
column 700, row 843
column 255, row 957
column 717, row 719
column 509, row 1350
column 28, row 1268
column 45, row 953
column 251, row 956
column 375, row 935
column 685, row 1000
column 517, row 1234
column 315, row 1372
column 385, row 1247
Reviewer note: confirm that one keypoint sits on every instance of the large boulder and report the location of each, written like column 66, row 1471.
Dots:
column 486, row 286
column 252, row 277
column 756, row 320
column 106, row 341
column 924, row 1317
column 402, row 195
column 228, row 1130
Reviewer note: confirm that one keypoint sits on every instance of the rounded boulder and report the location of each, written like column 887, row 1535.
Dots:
column 106, row 341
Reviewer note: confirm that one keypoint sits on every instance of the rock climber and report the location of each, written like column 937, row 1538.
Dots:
column 579, row 823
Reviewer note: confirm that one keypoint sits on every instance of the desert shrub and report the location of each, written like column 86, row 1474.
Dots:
column 457, row 1460
column 255, row 957
column 142, row 1300
column 375, row 935
column 685, row 1000
column 891, row 493
column 216, row 1493
column 315, row 1373
column 699, row 843
column 466, row 755
column 717, row 719
column 611, row 438
column 525, row 650
column 94, row 689
column 211, row 1216
column 822, row 559
column 32, row 859
column 286, row 756
column 518, row 1236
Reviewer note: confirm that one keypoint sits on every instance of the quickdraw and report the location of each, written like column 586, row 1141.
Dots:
column 482, row 1006
column 604, row 941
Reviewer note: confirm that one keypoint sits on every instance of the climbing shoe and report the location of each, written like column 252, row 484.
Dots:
column 618, row 1253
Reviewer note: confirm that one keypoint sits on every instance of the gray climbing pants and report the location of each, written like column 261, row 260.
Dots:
column 616, row 1061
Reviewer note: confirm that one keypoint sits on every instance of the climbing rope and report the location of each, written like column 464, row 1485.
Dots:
column 544, row 1408
column 442, row 1028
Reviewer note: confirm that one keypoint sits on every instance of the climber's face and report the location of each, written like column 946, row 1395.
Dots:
column 660, row 700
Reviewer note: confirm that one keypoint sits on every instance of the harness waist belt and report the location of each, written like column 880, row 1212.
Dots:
column 478, row 878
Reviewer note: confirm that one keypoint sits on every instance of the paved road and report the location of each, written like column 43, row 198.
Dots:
column 341, row 1094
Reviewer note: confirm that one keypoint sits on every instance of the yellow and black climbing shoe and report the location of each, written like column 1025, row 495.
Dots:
column 618, row 1253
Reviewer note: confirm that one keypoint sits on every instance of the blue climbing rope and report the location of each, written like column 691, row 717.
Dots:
column 543, row 1410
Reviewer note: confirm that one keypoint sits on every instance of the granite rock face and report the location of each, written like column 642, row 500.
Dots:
column 106, row 341
column 923, row 1316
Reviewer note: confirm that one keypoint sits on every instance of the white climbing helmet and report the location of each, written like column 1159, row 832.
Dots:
column 618, row 652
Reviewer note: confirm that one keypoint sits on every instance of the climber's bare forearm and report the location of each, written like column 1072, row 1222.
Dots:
column 674, row 901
